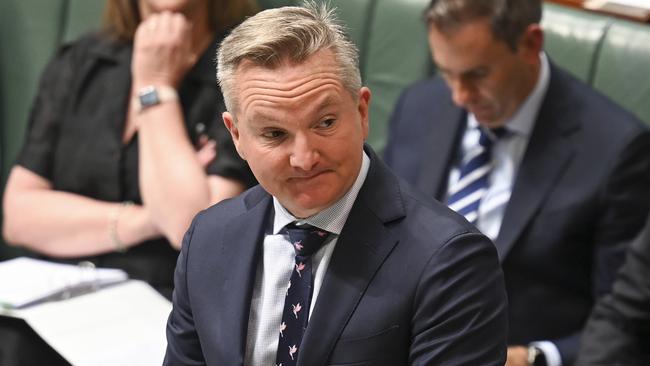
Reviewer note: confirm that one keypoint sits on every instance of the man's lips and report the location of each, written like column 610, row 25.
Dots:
column 307, row 176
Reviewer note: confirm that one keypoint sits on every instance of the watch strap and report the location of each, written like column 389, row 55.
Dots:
column 152, row 95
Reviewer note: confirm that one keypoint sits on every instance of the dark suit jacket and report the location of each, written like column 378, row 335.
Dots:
column 581, row 190
column 618, row 331
column 409, row 282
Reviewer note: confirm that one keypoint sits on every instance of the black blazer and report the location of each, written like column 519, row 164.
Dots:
column 581, row 190
column 409, row 283
column 618, row 331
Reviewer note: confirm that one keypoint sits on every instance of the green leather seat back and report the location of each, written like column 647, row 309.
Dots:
column 572, row 38
column 266, row 4
column 396, row 55
column 623, row 68
column 82, row 16
column 29, row 35
column 355, row 16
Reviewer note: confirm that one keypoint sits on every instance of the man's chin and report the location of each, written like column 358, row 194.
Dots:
column 304, row 205
column 489, row 121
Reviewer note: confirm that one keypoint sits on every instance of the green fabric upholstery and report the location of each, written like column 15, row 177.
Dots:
column 354, row 14
column 82, row 16
column 572, row 38
column 29, row 35
column 623, row 68
column 396, row 55
column 266, row 4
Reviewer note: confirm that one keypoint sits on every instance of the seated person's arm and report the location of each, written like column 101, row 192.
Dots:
column 173, row 183
column 62, row 224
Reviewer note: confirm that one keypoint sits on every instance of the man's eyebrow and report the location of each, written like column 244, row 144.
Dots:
column 259, row 118
column 475, row 70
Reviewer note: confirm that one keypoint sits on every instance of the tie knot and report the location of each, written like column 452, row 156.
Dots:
column 489, row 136
column 306, row 239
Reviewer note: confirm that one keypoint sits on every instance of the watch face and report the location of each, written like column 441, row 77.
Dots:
column 149, row 98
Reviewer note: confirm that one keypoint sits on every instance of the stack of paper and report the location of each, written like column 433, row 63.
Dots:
column 27, row 281
column 639, row 9
column 119, row 325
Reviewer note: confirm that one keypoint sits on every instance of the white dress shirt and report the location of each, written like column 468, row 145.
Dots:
column 274, row 271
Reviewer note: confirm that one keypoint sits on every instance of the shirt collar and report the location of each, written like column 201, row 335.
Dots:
column 523, row 120
column 331, row 219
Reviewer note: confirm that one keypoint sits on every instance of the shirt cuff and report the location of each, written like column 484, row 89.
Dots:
column 550, row 351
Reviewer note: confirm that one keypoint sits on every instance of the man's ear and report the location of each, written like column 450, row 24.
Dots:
column 532, row 42
column 231, row 125
column 364, row 110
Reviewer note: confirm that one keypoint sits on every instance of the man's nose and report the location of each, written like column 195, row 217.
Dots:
column 462, row 93
column 305, row 154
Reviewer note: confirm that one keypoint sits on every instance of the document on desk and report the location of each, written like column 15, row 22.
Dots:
column 26, row 281
column 119, row 325
column 632, row 8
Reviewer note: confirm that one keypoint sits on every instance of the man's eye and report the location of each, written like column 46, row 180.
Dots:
column 273, row 134
column 327, row 122
column 477, row 75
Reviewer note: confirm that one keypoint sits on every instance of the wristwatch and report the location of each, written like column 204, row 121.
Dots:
column 536, row 357
column 151, row 95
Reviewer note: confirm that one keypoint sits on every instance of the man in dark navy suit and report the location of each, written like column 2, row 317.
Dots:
column 332, row 259
column 549, row 169
column 618, row 330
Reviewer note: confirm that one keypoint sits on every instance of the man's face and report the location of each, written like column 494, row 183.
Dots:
column 300, row 130
column 485, row 75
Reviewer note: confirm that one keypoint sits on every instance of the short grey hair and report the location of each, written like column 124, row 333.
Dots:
column 508, row 18
column 288, row 33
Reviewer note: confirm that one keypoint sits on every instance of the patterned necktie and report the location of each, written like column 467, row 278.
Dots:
column 306, row 240
column 465, row 195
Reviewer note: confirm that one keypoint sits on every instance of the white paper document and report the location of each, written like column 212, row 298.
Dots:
column 120, row 325
column 643, row 4
column 25, row 281
column 624, row 7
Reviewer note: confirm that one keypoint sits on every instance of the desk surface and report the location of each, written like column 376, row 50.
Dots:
column 638, row 15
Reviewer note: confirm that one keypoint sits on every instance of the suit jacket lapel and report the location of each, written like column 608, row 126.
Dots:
column 362, row 247
column 439, row 150
column 239, row 255
column 547, row 156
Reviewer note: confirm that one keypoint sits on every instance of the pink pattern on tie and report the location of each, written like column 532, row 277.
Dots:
column 296, row 309
column 299, row 267
column 298, row 245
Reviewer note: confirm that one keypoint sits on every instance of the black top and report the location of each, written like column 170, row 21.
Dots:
column 75, row 133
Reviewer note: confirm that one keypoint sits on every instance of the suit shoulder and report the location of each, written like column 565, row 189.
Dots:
column 227, row 209
column 424, row 90
column 431, row 222
column 596, row 111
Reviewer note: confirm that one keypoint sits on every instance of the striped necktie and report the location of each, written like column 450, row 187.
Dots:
column 465, row 195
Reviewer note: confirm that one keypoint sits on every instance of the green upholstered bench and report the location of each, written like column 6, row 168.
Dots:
column 610, row 54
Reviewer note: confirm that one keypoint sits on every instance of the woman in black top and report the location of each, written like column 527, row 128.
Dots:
column 125, row 141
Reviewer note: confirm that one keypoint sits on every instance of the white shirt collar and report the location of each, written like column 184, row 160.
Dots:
column 331, row 219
